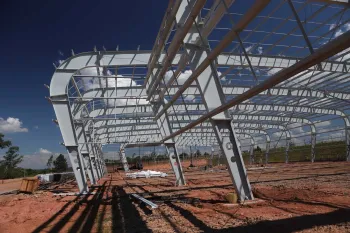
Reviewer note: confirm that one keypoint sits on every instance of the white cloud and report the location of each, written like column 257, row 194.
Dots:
column 11, row 125
column 181, row 79
column 60, row 62
column 321, row 124
column 273, row 71
column 183, row 76
column 333, row 25
column 338, row 33
column 36, row 127
column 341, row 30
column 189, row 98
column 88, row 83
column 347, row 26
column 247, row 49
column 44, row 151
column 254, row 50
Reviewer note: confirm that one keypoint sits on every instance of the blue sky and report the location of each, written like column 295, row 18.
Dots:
column 36, row 34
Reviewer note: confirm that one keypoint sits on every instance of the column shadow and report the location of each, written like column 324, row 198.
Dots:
column 125, row 216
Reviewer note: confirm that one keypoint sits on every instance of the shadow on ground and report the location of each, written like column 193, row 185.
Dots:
column 83, row 212
column 282, row 225
column 87, row 214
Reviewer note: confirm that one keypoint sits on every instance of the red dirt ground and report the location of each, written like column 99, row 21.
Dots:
column 299, row 197
column 9, row 185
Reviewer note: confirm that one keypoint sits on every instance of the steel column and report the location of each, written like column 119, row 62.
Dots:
column 165, row 130
column 288, row 139
column 347, row 137
column 123, row 159
column 229, row 145
column 95, row 162
column 213, row 96
column 251, row 149
column 211, row 157
column 347, row 141
column 251, row 154
column 313, row 146
column 88, row 166
column 84, row 150
column 267, row 151
column 77, row 163
column 65, row 122
column 175, row 163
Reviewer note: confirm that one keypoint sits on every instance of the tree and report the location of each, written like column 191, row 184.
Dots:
column 3, row 143
column 49, row 162
column 198, row 153
column 11, row 160
column 258, row 149
column 60, row 163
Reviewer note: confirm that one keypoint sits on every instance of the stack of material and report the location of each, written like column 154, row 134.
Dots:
column 55, row 177
column 45, row 178
column 146, row 174
column 29, row 185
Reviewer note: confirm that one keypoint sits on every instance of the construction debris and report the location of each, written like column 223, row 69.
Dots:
column 55, row 177
column 29, row 185
column 145, row 174
column 231, row 197
column 144, row 200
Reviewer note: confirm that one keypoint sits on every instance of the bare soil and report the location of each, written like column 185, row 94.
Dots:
column 10, row 184
column 297, row 197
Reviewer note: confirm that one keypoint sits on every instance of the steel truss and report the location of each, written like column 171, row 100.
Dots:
column 199, row 86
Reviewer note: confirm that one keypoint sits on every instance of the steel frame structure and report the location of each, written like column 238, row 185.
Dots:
column 216, row 71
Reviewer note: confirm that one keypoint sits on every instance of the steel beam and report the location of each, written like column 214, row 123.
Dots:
column 214, row 16
column 229, row 37
column 163, row 35
column 195, row 8
column 330, row 49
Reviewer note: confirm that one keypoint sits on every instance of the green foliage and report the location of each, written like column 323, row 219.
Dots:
column 60, row 164
column 22, row 172
column 184, row 155
column 3, row 143
column 49, row 162
column 324, row 151
column 10, row 162
column 258, row 149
